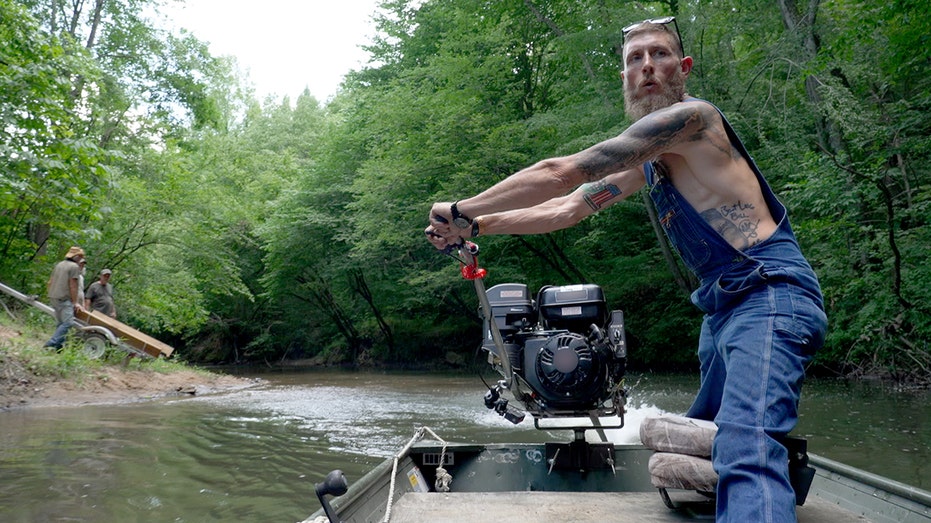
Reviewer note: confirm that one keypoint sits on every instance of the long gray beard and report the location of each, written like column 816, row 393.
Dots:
column 638, row 108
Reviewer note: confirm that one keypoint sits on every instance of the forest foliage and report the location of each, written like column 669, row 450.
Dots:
column 244, row 230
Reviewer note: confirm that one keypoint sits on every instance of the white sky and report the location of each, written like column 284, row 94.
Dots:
column 283, row 45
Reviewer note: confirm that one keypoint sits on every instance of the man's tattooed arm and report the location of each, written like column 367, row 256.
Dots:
column 646, row 139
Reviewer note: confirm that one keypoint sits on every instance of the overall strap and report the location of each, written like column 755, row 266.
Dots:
column 648, row 173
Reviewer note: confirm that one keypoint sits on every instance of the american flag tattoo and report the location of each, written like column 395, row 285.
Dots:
column 599, row 194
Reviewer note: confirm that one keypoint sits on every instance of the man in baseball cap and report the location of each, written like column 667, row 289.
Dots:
column 63, row 294
column 100, row 295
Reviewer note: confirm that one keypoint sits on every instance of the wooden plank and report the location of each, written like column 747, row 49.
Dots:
column 127, row 334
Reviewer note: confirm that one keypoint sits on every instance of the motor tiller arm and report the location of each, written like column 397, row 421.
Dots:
column 468, row 258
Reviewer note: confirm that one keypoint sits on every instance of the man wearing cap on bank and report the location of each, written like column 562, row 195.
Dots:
column 63, row 294
column 100, row 295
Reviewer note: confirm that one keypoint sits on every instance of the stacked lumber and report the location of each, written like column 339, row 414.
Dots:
column 128, row 335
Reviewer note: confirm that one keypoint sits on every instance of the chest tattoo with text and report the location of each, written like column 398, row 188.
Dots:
column 735, row 223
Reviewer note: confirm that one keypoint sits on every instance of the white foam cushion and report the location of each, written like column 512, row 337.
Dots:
column 679, row 471
column 678, row 434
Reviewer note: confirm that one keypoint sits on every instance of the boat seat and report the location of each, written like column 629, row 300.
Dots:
column 678, row 434
column 683, row 452
column 682, row 457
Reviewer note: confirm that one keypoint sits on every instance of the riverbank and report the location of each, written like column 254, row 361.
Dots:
column 34, row 377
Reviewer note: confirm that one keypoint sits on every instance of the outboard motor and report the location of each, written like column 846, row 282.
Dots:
column 564, row 347
column 561, row 355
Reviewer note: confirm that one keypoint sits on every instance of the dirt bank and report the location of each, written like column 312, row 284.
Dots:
column 21, row 388
column 112, row 385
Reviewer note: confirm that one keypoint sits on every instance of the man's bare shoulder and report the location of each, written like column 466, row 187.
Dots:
column 707, row 142
column 679, row 126
column 705, row 109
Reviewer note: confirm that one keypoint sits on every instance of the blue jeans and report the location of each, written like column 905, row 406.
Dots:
column 753, row 353
column 64, row 315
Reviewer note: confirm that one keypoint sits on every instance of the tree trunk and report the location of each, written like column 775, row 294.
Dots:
column 95, row 23
column 561, row 254
column 883, row 185
column 455, row 301
column 321, row 296
column 359, row 285
column 547, row 259
column 800, row 23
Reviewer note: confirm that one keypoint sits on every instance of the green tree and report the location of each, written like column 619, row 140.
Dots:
column 52, row 172
column 250, row 231
column 874, row 90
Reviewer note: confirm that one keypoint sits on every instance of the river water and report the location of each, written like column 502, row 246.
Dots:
column 254, row 455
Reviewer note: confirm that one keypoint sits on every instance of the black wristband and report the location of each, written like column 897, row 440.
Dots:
column 459, row 220
column 475, row 228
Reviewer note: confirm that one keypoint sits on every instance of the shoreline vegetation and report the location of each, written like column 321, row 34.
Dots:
column 32, row 376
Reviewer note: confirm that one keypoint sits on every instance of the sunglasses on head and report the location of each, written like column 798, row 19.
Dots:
column 665, row 20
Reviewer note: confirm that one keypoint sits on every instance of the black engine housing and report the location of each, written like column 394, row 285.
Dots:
column 564, row 346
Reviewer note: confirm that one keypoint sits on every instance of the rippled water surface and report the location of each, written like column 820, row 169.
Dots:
column 255, row 455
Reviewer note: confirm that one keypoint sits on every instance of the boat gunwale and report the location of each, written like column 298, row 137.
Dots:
column 380, row 475
column 883, row 483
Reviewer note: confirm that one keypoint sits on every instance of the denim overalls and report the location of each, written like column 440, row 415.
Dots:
column 764, row 320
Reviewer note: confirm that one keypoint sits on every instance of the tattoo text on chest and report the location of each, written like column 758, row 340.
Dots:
column 735, row 223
